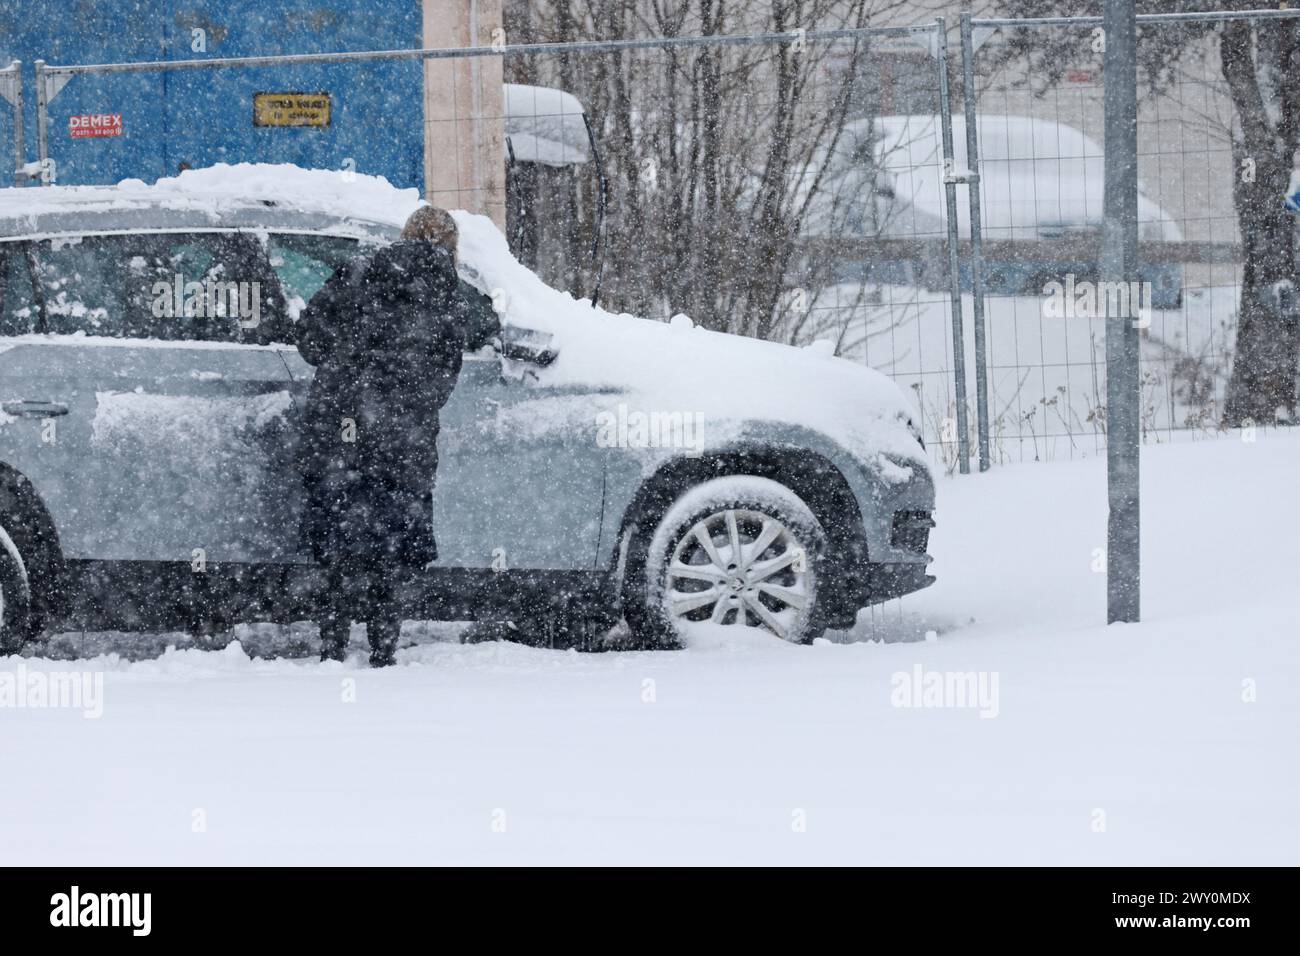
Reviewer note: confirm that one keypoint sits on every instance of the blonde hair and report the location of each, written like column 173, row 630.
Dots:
column 433, row 225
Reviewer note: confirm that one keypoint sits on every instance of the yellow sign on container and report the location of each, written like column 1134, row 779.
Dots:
column 291, row 109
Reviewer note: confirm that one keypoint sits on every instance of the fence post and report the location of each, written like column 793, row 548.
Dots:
column 1119, row 259
column 976, row 239
column 20, row 127
column 42, row 123
column 954, row 274
column 11, row 88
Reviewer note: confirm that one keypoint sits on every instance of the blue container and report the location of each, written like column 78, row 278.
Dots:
column 200, row 117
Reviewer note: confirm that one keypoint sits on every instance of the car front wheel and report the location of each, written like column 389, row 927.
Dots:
column 15, row 597
column 738, row 552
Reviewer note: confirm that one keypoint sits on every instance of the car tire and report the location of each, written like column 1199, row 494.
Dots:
column 15, row 598
column 681, row 576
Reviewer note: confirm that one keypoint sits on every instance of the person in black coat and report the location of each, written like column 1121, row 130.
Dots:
column 386, row 335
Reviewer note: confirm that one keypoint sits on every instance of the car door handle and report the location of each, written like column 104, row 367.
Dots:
column 34, row 409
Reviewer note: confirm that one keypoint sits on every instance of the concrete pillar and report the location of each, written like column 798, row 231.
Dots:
column 464, row 108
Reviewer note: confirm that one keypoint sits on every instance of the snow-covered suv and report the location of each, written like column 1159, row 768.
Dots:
column 590, row 463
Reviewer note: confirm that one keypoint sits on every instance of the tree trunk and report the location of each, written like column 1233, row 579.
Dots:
column 1262, row 386
column 1264, row 366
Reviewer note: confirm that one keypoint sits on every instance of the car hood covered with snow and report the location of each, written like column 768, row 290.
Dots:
column 735, row 388
column 731, row 383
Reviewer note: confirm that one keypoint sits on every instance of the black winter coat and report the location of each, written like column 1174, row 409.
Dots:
column 386, row 336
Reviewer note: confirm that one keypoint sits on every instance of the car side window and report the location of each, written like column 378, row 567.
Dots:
column 76, row 286
column 203, row 286
column 304, row 263
column 19, row 312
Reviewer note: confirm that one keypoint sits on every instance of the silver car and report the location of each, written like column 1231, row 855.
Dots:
column 149, row 389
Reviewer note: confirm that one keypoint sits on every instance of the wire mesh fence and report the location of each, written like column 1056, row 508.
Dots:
column 1039, row 114
column 756, row 188
column 785, row 186
column 797, row 186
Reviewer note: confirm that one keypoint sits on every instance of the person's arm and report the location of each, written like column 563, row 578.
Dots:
column 437, row 334
column 479, row 318
column 319, row 322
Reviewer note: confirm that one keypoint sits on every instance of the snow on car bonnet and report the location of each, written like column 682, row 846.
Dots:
column 677, row 367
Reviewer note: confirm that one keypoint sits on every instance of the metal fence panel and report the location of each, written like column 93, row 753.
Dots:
column 1041, row 173
column 11, row 120
column 666, row 213
column 776, row 185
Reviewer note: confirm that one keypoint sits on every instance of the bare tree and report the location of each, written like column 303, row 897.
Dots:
column 720, row 158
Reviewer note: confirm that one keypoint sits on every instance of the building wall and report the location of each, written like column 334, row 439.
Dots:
column 464, row 109
column 203, row 117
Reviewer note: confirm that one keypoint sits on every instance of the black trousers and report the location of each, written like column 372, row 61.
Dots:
column 362, row 589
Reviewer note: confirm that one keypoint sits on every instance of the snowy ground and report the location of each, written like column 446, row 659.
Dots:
column 1169, row 742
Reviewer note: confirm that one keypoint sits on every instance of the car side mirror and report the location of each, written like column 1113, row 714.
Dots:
column 527, row 345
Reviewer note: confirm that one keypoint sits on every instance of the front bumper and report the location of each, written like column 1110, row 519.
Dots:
column 887, row 581
column 861, row 582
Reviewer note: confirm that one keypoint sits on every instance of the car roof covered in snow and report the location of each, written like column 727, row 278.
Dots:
column 159, row 217
column 243, row 196
column 546, row 125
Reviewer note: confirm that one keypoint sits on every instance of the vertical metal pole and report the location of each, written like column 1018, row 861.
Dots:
column 954, row 275
column 976, row 240
column 42, row 122
column 20, row 142
column 1119, row 264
